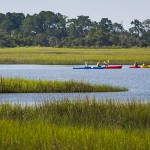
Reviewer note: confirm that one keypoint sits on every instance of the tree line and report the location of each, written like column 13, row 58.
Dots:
column 56, row 30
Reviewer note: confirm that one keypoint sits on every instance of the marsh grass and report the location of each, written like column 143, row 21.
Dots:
column 86, row 124
column 16, row 85
column 86, row 113
column 70, row 56
column 39, row 136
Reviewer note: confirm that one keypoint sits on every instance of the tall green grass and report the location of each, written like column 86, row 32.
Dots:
column 17, row 135
column 16, row 85
column 85, row 113
column 87, row 124
column 70, row 56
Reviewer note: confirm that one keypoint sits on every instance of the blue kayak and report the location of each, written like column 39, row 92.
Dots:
column 84, row 67
column 100, row 67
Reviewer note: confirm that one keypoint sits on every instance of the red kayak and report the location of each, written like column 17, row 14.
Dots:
column 134, row 67
column 113, row 67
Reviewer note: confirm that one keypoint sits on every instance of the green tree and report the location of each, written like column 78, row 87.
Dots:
column 106, row 25
column 117, row 28
column 145, row 37
column 52, row 24
column 79, row 27
column 11, row 21
column 28, row 26
column 137, row 27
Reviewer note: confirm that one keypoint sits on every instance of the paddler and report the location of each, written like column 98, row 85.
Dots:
column 98, row 64
column 136, row 64
column 143, row 65
column 86, row 64
column 106, row 64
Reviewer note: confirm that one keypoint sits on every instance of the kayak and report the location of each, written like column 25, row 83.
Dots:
column 84, row 67
column 113, row 67
column 134, row 67
column 100, row 67
column 145, row 66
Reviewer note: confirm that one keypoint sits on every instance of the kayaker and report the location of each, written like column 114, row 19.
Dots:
column 136, row 64
column 106, row 64
column 143, row 65
column 86, row 64
column 98, row 64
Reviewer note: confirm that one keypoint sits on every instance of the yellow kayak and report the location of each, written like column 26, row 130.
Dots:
column 145, row 66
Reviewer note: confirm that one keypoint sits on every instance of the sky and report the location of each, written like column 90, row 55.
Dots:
column 120, row 11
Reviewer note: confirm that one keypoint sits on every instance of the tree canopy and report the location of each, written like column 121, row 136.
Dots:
column 56, row 30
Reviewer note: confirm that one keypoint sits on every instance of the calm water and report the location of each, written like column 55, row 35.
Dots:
column 137, row 80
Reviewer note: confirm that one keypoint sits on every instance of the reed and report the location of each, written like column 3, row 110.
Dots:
column 82, row 113
column 39, row 136
column 17, row 85
column 86, row 124
column 70, row 56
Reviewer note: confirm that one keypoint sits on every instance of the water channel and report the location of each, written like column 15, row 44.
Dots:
column 136, row 80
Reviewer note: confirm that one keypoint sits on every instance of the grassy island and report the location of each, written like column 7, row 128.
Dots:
column 16, row 85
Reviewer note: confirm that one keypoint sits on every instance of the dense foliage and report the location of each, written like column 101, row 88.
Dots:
column 56, row 30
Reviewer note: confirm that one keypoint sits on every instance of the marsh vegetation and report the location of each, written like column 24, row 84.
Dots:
column 72, row 56
column 17, row 85
column 66, row 124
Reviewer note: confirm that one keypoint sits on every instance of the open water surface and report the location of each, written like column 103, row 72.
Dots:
column 136, row 80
